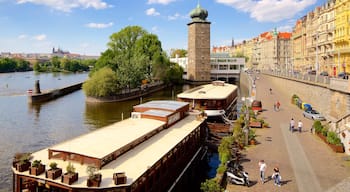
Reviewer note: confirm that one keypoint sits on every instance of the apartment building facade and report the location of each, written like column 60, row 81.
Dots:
column 342, row 36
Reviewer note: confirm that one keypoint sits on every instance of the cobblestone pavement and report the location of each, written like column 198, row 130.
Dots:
column 306, row 163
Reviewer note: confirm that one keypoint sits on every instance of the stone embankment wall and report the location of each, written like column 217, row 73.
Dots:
column 53, row 94
column 332, row 104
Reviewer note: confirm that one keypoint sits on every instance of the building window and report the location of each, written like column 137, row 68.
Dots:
column 222, row 67
column 233, row 67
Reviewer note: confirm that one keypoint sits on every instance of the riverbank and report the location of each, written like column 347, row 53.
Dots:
column 129, row 94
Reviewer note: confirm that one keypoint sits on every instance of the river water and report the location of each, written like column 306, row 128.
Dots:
column 27, row 127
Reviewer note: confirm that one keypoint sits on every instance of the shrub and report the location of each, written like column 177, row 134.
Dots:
column 221, row 168
column 53, row 165
column 91, row 170
column 238, row 134
column 252, row 135
column 103, row 82
column 211, row 185
column 333, row 138
column 324, row 131
column 317, row 126
column 224, row 149
column 36, row 163
column 25, row 158
column 70, row 168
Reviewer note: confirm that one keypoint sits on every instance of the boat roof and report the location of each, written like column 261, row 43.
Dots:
column 159, row 113
column 209, row 91
column 100, row 143
column 163, row 104
column 134, row 162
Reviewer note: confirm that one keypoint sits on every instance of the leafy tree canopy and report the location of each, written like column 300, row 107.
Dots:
column 178, row 52
column 135, row 55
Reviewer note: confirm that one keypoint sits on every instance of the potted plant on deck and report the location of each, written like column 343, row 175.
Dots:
column 24, row 162
column 70, row 176
column 37, row 168
column 54, row 171
column 94, row 179
column 251, row 137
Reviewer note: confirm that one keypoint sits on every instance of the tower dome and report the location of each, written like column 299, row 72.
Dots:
column 199, row 14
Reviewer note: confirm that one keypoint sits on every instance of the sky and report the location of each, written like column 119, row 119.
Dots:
column 84, row 26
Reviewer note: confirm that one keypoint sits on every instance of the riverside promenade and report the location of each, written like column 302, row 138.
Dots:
column 306, row 163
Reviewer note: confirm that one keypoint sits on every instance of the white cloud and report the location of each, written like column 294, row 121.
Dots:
column 155, row 29
column 22, row 36
column 152, row 12
column 40, row 37
column 68, row 5
column 164, row 2
column 177, row 16
column 269, row 10
column 99, row 25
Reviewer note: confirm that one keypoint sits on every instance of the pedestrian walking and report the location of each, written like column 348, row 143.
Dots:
column 300, row 126
column 262, row 169
column 270, row 91
column 278, row 104
column 276, row 176
column 291, row 125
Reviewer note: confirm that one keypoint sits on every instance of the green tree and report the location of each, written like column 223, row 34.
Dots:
column 22, row 65
column 174, row 74
column 150, row 47
column 102, row 83
column 7, row 65
column 178, row 52
column 159, row 67
column 55, row 62
column 106, row 60
column 37, row 67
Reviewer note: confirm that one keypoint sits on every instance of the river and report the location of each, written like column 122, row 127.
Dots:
column 27, row 127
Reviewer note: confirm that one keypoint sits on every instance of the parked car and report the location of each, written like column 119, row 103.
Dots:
column 343, row 75
column 324, row 73
column 314, row 115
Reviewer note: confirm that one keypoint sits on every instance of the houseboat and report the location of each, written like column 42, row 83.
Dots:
column 146, row 152
column 218, row 101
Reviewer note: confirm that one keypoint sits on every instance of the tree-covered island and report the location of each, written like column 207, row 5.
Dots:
column 133, row 56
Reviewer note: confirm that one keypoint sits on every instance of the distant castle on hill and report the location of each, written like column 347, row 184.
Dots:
column 59, row 51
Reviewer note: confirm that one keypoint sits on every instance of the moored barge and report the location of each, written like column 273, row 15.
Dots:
column 146, row 152
column 218, row 101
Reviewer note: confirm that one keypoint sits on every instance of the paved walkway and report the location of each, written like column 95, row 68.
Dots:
column 306, row 163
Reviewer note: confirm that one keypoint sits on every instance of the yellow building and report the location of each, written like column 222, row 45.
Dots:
column 299, row 44
column 325, row 43
column 342, row 36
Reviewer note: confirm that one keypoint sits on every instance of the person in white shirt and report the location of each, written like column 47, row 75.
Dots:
column 300, row 126
column 262, row 169
column 291, row 127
